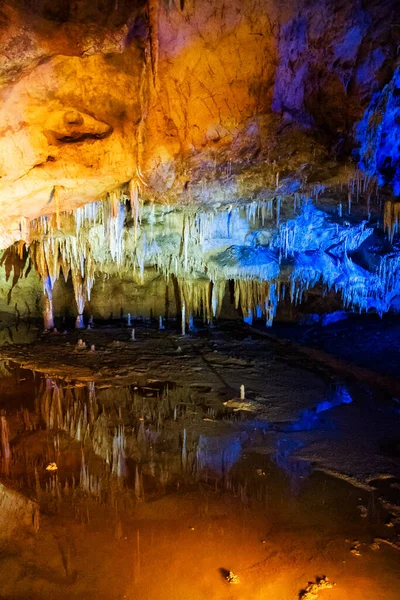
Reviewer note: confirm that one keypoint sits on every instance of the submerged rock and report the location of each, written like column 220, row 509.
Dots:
column 313, row 589
column 17, row 513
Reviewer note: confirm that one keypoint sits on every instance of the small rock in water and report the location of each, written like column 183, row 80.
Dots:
column 312, row 590
column 389, row 522
column 355, row 549
column 363, row 511
column 239, row 405
column 374, row 545
column 232, row 578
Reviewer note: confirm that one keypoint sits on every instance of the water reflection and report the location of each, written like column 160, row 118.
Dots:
column 296, row 470
column 145, row 486
column 100, row 435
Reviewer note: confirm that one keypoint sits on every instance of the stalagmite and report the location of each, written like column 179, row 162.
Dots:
column 183, row 319
column 79, row 322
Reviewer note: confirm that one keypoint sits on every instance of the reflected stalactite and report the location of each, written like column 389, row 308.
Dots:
column 5, row 445
column 75, row 411
column 117, row 448
column 118, row 452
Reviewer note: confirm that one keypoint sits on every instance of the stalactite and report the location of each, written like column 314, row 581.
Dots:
column 135, row 186
column 80, row 298
column 200, row 250
column 48, row 316
column 153, row 8
column 56, row 198
column 391, row 218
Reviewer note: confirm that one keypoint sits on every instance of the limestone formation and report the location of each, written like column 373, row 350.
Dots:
column 172, row 95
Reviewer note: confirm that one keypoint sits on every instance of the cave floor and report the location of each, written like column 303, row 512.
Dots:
column 166, row 480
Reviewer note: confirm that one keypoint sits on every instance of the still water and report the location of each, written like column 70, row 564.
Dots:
column 150, row 492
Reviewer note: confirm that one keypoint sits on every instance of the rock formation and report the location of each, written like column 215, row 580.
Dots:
column 92, row 93
column 198, row 104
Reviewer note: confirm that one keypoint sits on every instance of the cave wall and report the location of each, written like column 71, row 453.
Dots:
column 21, row 289
column 379, row 135
column 114, row 296
column 333, row 56
column 216, row 74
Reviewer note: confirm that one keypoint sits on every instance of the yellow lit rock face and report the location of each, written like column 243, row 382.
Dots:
column 68, row 134
column 216, row 72
column 166, row 96
column 73, row 128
